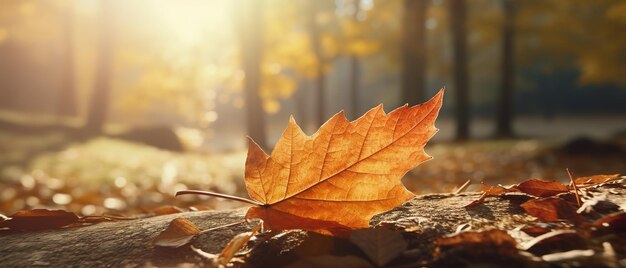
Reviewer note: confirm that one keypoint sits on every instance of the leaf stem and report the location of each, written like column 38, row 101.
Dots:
column 225, row 196
column 222, row 226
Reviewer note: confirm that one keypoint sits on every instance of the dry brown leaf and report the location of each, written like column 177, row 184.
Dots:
column 489, row 191
column 380, row 245
column 39, row 219
column 235, row 244
column 493, row 238
column 178, row 233
column 596, row 179
column 165, row 210
column 614, row 223
column 534, row 187
column 554, row 241
column 542, row 188
column 337, row 179
column 551, row 209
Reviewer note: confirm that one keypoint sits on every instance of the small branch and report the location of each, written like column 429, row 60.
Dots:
column 571, row 177
column 463, row 187
column 225, row 196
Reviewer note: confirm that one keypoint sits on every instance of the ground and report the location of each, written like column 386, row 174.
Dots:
column 105, row 175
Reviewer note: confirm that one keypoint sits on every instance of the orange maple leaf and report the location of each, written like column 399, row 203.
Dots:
column 344, row 174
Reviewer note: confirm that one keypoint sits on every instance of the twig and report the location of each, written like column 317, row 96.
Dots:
column 571, row 177
column 463, row 187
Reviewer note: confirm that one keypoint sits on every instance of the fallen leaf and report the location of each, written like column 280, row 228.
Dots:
column 165, row 210
column 596, row 179
column 492, row 238
column 554, row 241
column 495, row 236
column 39, row 219
column 534, row 187
column 551, row 209
column 337, row 179
column 235, row 244
column 179, row 232
column 380, row 245
column 212, row 258
column 489, row 191
column 614, row 223
column 332, row 261
column 535, row 230
column 542, row 188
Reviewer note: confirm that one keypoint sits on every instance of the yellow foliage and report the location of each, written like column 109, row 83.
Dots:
column 271, row 106
column 362, row 47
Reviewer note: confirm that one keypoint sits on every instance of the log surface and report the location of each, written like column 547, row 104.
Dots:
column 127, row 243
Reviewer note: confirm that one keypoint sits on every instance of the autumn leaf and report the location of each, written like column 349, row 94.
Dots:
column 534, row 187
column 542, row 188
column 477, row 241
column 235, row 244
column 39, row 219
column 165, row 210
column 596, row 179
column 553, row 241
column 615, row 223
column 344, row 174
column 178, row 233
column 551, row 209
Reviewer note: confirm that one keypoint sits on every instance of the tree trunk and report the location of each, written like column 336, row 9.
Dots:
column 251, row 32
column 67, row 96
column 458, row 14
column 126, row 243
column 320, row 76
column 355, row 72
column 504, row 115
column 99, row 104
column 414, row 51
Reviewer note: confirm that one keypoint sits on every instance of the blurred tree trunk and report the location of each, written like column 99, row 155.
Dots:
column 414, row 51
column 504, row 116
column 300, row 98
column 320, row 77
column 99, row 103
column 458, row 14
column 355, row 71
column 251, row 32
column 67, row 96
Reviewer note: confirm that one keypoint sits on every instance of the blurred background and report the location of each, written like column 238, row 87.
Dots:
column 111, row 106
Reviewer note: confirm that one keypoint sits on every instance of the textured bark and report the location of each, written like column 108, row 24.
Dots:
column 126, row 243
